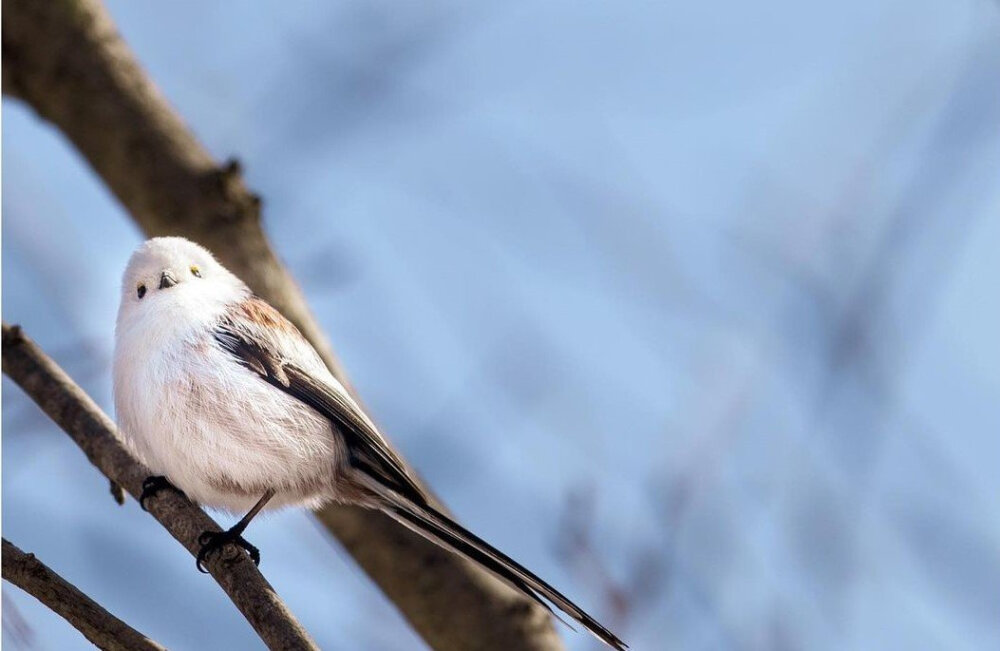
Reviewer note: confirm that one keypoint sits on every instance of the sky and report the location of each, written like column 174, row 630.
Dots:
column 690, row 309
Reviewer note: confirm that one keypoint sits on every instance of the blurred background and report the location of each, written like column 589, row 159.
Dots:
column 693, row 309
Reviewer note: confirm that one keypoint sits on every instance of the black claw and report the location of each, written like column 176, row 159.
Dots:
column 154, row 485
column 117, row 492
column 213, row 541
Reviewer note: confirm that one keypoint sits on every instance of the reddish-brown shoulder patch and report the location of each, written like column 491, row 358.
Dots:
column 257, row 311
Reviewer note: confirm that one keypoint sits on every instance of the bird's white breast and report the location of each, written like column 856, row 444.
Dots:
column 214, row 428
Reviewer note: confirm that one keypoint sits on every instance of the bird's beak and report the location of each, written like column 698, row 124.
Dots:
column 167, row 280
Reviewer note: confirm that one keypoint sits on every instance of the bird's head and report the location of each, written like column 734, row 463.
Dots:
column 174, row 278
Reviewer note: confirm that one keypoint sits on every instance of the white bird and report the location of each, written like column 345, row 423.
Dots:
column 226, row 400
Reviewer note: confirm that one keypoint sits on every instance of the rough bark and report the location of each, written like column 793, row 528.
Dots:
column 99, row 626
column 92, row 430
column 66, row 59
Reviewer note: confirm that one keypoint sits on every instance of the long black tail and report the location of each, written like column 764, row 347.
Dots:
column 441, row 529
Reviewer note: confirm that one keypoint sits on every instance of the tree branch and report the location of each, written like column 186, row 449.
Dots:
column 66, row 59
column 86, row 615
column 74, row 411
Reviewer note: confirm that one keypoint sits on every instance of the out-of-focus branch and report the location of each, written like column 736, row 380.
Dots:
column 66, row 59
column 577, row 551
column 91, row 429
column 86, row 615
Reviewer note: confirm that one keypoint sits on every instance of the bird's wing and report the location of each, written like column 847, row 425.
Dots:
column 265, row 342
column 262, row 340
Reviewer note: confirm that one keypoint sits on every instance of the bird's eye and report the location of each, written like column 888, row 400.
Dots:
column 141, row 291
column 195, row 271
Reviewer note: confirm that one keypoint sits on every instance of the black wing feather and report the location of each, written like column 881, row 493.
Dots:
column 366, row 448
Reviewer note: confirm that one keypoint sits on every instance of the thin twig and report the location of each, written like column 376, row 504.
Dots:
column 86, row 615
column 91, row 429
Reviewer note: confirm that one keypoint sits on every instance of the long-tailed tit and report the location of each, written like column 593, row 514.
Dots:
column 227, row 401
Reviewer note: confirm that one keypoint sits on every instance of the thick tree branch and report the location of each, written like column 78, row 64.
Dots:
column 86, row 615
column 66, row 59
column 74, row 411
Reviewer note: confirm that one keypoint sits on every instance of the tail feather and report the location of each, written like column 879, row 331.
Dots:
column 444, row 531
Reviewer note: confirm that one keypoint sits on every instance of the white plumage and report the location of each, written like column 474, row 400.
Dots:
column 192, row 413
column 222, row 396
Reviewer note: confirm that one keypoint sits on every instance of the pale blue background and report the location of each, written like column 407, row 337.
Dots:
column 729, row 271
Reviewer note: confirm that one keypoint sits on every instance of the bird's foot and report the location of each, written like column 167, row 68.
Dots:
column 117, row 492
column 154, row 485
column 214, row 541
